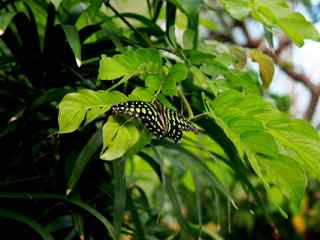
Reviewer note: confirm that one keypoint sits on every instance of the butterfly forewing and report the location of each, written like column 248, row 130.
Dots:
column 144, row 111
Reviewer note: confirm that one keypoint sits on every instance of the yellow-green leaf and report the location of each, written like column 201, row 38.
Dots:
column 266, row 66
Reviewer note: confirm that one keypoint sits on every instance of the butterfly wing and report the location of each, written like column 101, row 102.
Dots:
column 178, row 124
column 159, row 120
column 175, row 134
column 144, row 111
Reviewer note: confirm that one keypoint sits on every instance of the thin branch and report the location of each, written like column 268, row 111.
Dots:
column 289, row 70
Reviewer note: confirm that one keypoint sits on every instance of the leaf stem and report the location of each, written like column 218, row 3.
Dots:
column 186, row 103
column 198, row 116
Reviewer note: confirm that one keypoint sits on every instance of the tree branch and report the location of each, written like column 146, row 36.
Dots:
column 289, row 70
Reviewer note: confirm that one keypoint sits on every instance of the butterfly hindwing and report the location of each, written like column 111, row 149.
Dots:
column 179, row 122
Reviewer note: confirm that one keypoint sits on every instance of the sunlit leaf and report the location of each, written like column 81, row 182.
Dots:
column 271, row 141
column 277, row 13
column 118, row 137
column 85, row 105
column 143, row 94
column 178, row 72
column 238, row 9
column 132, row 62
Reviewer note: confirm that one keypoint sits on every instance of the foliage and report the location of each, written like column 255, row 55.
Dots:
column 71, row 169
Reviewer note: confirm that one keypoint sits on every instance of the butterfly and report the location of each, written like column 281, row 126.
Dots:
column 159, row 120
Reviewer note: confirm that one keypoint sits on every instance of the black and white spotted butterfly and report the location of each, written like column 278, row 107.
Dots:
column 160, row 121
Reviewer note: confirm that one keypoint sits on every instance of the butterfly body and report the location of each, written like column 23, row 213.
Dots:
column 159, row 120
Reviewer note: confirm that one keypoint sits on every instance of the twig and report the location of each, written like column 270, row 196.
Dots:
column 289, row 70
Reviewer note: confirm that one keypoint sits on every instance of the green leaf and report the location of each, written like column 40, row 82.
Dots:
column 178, row 72
column 120, row 190
column 139, row 228
column 199, row 78
column 190, row 8
column 78, row 220
column 223, row 172
column 142, row 94
column 187, row 180
column 154, row 82
column 277, row 13
column 73, row 39
column 83, row 159
column 56, row 3
column 143, row 20
column 173, row 196
column 132, row 62
column 118, row 138
column 5, row 20
column 188, row 37
column 144, row 139
column 275, row 196
column 169, row 87
column 243, row 81
column 201, row 168
column 274, row 13
column 288, row 176
column 239, row 9
column 279, row 149
column 85, row 105
column 300, row 141
column 266, row 66
column 249, row 135
column 27, row 220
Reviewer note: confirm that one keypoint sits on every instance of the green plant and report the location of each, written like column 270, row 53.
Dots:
column 104, row 176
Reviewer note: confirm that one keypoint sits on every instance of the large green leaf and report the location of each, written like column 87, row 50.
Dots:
column 85, row 105
column 299, row 140
column 121, row 137
column 277, row 13
column 287, row 175
column 132, row 62
column 270, row 140
column 274, row 13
